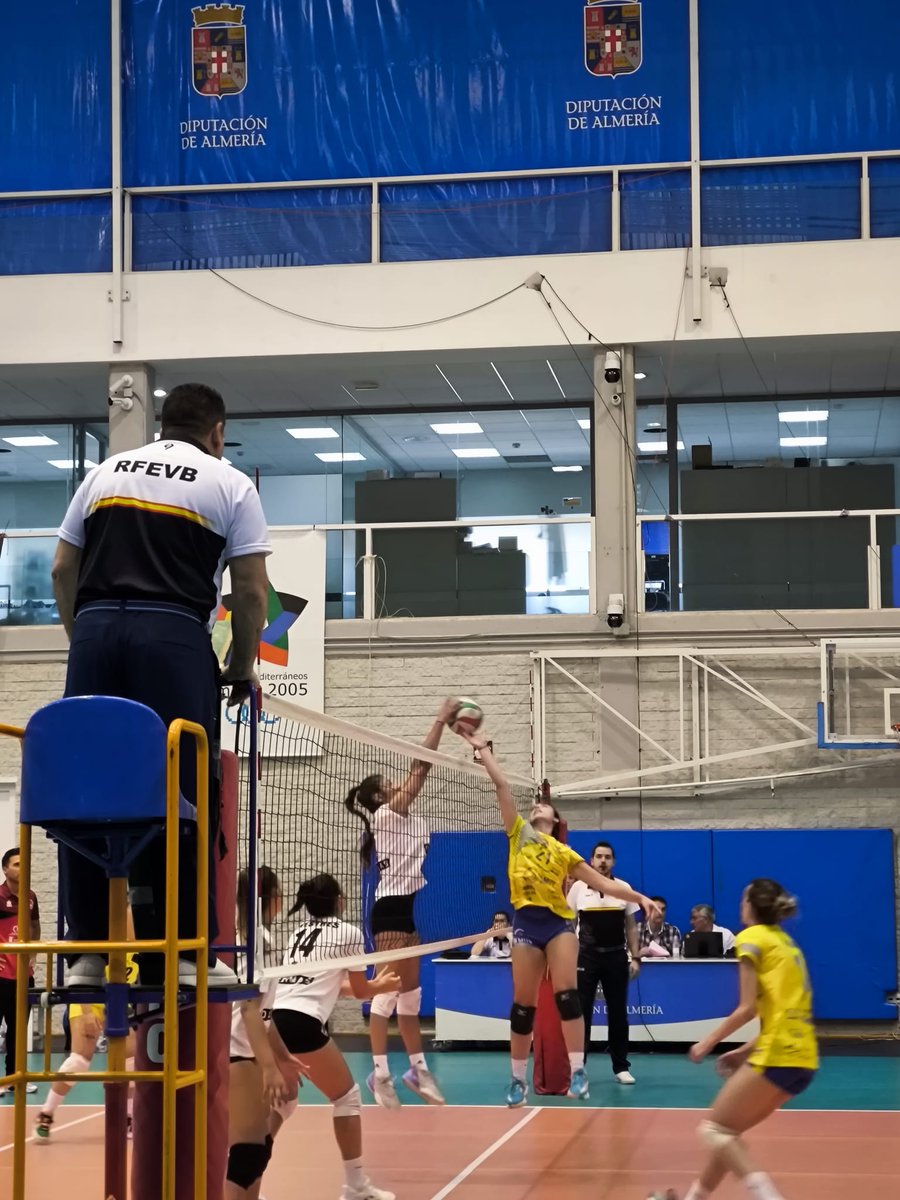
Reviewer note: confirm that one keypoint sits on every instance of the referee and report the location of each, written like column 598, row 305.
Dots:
column 137, row 577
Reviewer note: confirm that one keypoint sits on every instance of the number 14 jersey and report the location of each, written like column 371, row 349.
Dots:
column 314, row 941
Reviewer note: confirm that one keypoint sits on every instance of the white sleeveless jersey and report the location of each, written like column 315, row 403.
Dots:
column 315, row 940
column 240, row 1043
column 401, row 843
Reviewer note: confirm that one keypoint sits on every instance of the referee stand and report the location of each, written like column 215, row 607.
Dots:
column 101, row 776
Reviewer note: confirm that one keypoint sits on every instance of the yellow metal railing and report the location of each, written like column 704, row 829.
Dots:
column 171, row 1077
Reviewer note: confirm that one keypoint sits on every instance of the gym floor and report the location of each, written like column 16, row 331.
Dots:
column 840, row 1139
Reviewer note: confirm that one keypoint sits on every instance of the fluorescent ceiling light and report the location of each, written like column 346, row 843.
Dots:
column 804, row 416
column 505, row 385
column 449, row 384
column 340, row 456
column 160, row 393
column 657, row 447
column 68, row 464
column 640, row 374
column 450, row 427
column 327, row 432
column 479, row 452
column 555, row 379
column 584, row 422
column 803, row 441
column 35, row 439
column 559, row 470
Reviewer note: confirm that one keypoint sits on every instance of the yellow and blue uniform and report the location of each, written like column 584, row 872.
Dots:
column 99, row 1010
column 538, row 867
column 786, row 1051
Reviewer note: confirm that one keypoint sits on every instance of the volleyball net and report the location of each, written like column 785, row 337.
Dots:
column 303, row 767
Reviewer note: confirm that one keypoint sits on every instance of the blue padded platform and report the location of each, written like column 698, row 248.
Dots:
column 94, row 760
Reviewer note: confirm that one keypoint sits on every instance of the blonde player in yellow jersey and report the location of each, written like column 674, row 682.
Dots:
column 543, row 932
column 781, row 1062
column 86, row 1022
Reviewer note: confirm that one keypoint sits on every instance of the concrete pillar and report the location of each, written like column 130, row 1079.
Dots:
column 132, row 426
column 615, row 572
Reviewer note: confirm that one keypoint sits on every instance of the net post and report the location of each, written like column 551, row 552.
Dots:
column 253, row 914
column 116, row 1094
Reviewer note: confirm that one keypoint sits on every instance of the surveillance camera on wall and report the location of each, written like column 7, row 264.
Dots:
column 121, row 393
column 612, row 367
column 615, row 611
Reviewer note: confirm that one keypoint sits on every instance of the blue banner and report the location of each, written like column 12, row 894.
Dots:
column 815, row 77
column 274, row 90
column 54, row 96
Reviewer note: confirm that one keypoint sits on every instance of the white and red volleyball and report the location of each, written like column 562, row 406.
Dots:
column 467, row 717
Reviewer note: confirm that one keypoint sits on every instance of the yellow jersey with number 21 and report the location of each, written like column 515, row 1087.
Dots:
column 784, row 998
column 538, row 866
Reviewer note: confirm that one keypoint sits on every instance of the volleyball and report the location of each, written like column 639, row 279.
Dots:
column 467, row 717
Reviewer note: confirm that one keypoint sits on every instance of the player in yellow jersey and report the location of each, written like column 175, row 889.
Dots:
column 543, row 933
column 86, row 1022
column 781, row 1062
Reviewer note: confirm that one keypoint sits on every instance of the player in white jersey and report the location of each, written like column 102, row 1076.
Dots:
column 303, row 1004
column 397, row 840
column 263, row 1075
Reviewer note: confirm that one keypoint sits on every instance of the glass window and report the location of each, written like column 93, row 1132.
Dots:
column 37, row 473
column 784, row 456
column 444, row 465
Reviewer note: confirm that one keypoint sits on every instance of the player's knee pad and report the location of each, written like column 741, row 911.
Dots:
column 715, row 1137
column 384, row 1004
column 409, row 1003
column 521, row 1018
column 75, row 1062
column 568, row 1005
column 247, row 1162
column 349, row 1105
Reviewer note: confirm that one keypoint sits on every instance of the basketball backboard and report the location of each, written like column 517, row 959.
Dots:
column 859, row 708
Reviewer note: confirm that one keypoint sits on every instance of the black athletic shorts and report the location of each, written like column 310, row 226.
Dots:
column 394, row 914
column 300, row 1032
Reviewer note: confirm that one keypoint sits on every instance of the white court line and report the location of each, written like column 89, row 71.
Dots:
column 58, row 1128
column 485, row 1154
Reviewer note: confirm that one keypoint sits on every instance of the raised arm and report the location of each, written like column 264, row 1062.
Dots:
column 402, row 799
column 505, row 800
column 614, row 887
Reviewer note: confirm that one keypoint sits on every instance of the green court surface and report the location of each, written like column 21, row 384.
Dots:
column 847, row 1080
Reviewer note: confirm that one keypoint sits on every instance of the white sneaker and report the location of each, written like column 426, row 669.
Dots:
column 625, row 1077
column 87, row 971
column 219, row 975
column 30, row 1088
column 421, row 1081
column 383, row 1090
column 367, row 1192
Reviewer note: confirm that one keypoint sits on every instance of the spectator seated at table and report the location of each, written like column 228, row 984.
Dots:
column 658, row 939
column 495, row 947
column 703, row 920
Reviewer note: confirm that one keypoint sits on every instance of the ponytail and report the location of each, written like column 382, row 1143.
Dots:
column 319, row 896
column 770, row 902
column 361, row 801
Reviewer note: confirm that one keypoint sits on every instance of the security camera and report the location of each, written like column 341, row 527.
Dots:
column 615, row 611
column 616, row 399
column 121, row 393
column 612, row 367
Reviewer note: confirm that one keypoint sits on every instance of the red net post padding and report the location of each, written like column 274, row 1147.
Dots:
column 146, row 1162
column 551, row 1059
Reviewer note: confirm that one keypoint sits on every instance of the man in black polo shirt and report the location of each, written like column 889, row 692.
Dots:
column 137, row 577
column 607, row 936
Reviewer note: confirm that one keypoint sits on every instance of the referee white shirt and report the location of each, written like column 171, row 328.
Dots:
column 159, row 523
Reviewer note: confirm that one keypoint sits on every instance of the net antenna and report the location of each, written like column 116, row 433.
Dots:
column 299, row 768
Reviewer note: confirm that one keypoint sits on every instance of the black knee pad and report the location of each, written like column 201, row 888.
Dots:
column 568, row 1004
column 247, row 1161
column 521, row 1018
